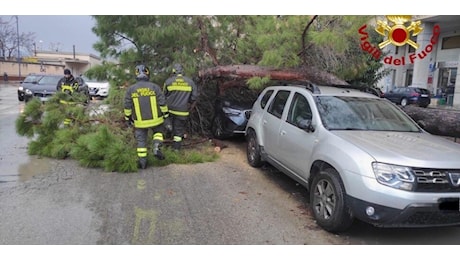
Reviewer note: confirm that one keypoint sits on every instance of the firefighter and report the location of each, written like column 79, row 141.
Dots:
column 67, row 84
column 181, row 96
column 145, row 108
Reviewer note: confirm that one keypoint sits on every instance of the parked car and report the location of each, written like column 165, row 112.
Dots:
column 409, row 95
column 29, row 81
column 230, row 117
column 359, row 156
column 97, row 89
column 46, row 87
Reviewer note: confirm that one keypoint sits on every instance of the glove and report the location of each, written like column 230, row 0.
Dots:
column 168, row 124
column 129, row 121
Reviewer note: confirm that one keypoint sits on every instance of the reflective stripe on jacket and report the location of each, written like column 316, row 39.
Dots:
column 68, row 86
column 145, row 103
column 180, row 91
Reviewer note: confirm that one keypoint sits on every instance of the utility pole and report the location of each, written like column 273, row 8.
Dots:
column 19, row 55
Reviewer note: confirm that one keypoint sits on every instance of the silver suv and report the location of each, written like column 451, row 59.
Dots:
column 360, row 156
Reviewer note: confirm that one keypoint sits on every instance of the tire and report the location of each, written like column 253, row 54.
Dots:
column 217, row 129
column 404, row 102
column 253, row 150
column 20, row 98
column 328, row 202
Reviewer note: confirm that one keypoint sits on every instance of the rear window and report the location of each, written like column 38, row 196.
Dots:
column 422, row 91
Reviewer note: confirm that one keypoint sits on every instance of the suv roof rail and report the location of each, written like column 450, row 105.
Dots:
column 313, row 88
column 366, row 89
column 309, row 86
column 304, row 84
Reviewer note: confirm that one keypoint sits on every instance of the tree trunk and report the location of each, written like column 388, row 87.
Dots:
column 239, row 72
column 437, row 121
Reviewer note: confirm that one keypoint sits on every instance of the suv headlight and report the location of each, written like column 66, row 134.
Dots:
column 21, row 88
column 395, row 176
column 28, row 91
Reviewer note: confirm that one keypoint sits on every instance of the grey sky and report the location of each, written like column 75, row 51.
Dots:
column 63, row 31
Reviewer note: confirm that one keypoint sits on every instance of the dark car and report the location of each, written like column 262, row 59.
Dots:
column 46, row 87
column 230, row 117
column 409, row 95
column 29, row 81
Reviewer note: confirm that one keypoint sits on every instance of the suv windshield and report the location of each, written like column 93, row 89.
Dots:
column 357, row 113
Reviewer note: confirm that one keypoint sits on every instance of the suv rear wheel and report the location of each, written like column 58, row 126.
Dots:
column 328, row 203
column 253, row 150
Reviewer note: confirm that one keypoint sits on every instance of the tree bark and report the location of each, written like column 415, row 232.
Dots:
column 239, row 72
column 437, row 121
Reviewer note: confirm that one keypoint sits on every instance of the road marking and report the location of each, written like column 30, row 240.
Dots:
column 147, row 220
column 141, row 184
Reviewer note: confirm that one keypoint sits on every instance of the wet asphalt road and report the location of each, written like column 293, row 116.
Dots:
column 45, row 201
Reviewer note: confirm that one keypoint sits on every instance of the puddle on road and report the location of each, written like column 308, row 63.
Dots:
column 35, row 166
column 20, row 170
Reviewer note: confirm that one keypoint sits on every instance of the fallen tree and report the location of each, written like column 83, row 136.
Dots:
column 437, row 121
column 237, row 75
column 247, row 71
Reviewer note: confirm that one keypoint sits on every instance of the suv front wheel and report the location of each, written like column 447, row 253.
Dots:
column 328, row 202
column 253, row 150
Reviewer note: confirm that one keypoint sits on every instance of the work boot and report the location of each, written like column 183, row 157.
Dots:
column 143, row 162
column 177, row 146
column 157, row 152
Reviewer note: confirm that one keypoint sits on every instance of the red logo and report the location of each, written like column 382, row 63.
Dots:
column 398, row 34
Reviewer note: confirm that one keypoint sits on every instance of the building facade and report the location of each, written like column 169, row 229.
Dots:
column 433, row 64
column 49, row 63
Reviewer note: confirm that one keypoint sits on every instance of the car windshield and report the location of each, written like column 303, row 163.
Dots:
column 49, row 80
column 359, row 113
column 32, row 78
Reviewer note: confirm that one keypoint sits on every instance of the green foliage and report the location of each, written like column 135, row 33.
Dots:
column 330, row 43
column 105, row 148
column 257, row 83
column 99, row 140
column 25, row 123
column 205, row 153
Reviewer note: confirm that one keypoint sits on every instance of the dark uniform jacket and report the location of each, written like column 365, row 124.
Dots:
column 180, row 91
column 145, row 104
column 69, row 86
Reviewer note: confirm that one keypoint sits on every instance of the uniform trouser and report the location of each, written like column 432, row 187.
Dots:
column 179, row 124
column 68, row 119
column 141, row 135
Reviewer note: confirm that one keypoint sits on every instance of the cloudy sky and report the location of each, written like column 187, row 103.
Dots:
column 61, row 31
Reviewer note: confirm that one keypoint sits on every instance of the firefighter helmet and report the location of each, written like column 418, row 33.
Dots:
column 142, row 72
column 177, row 69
